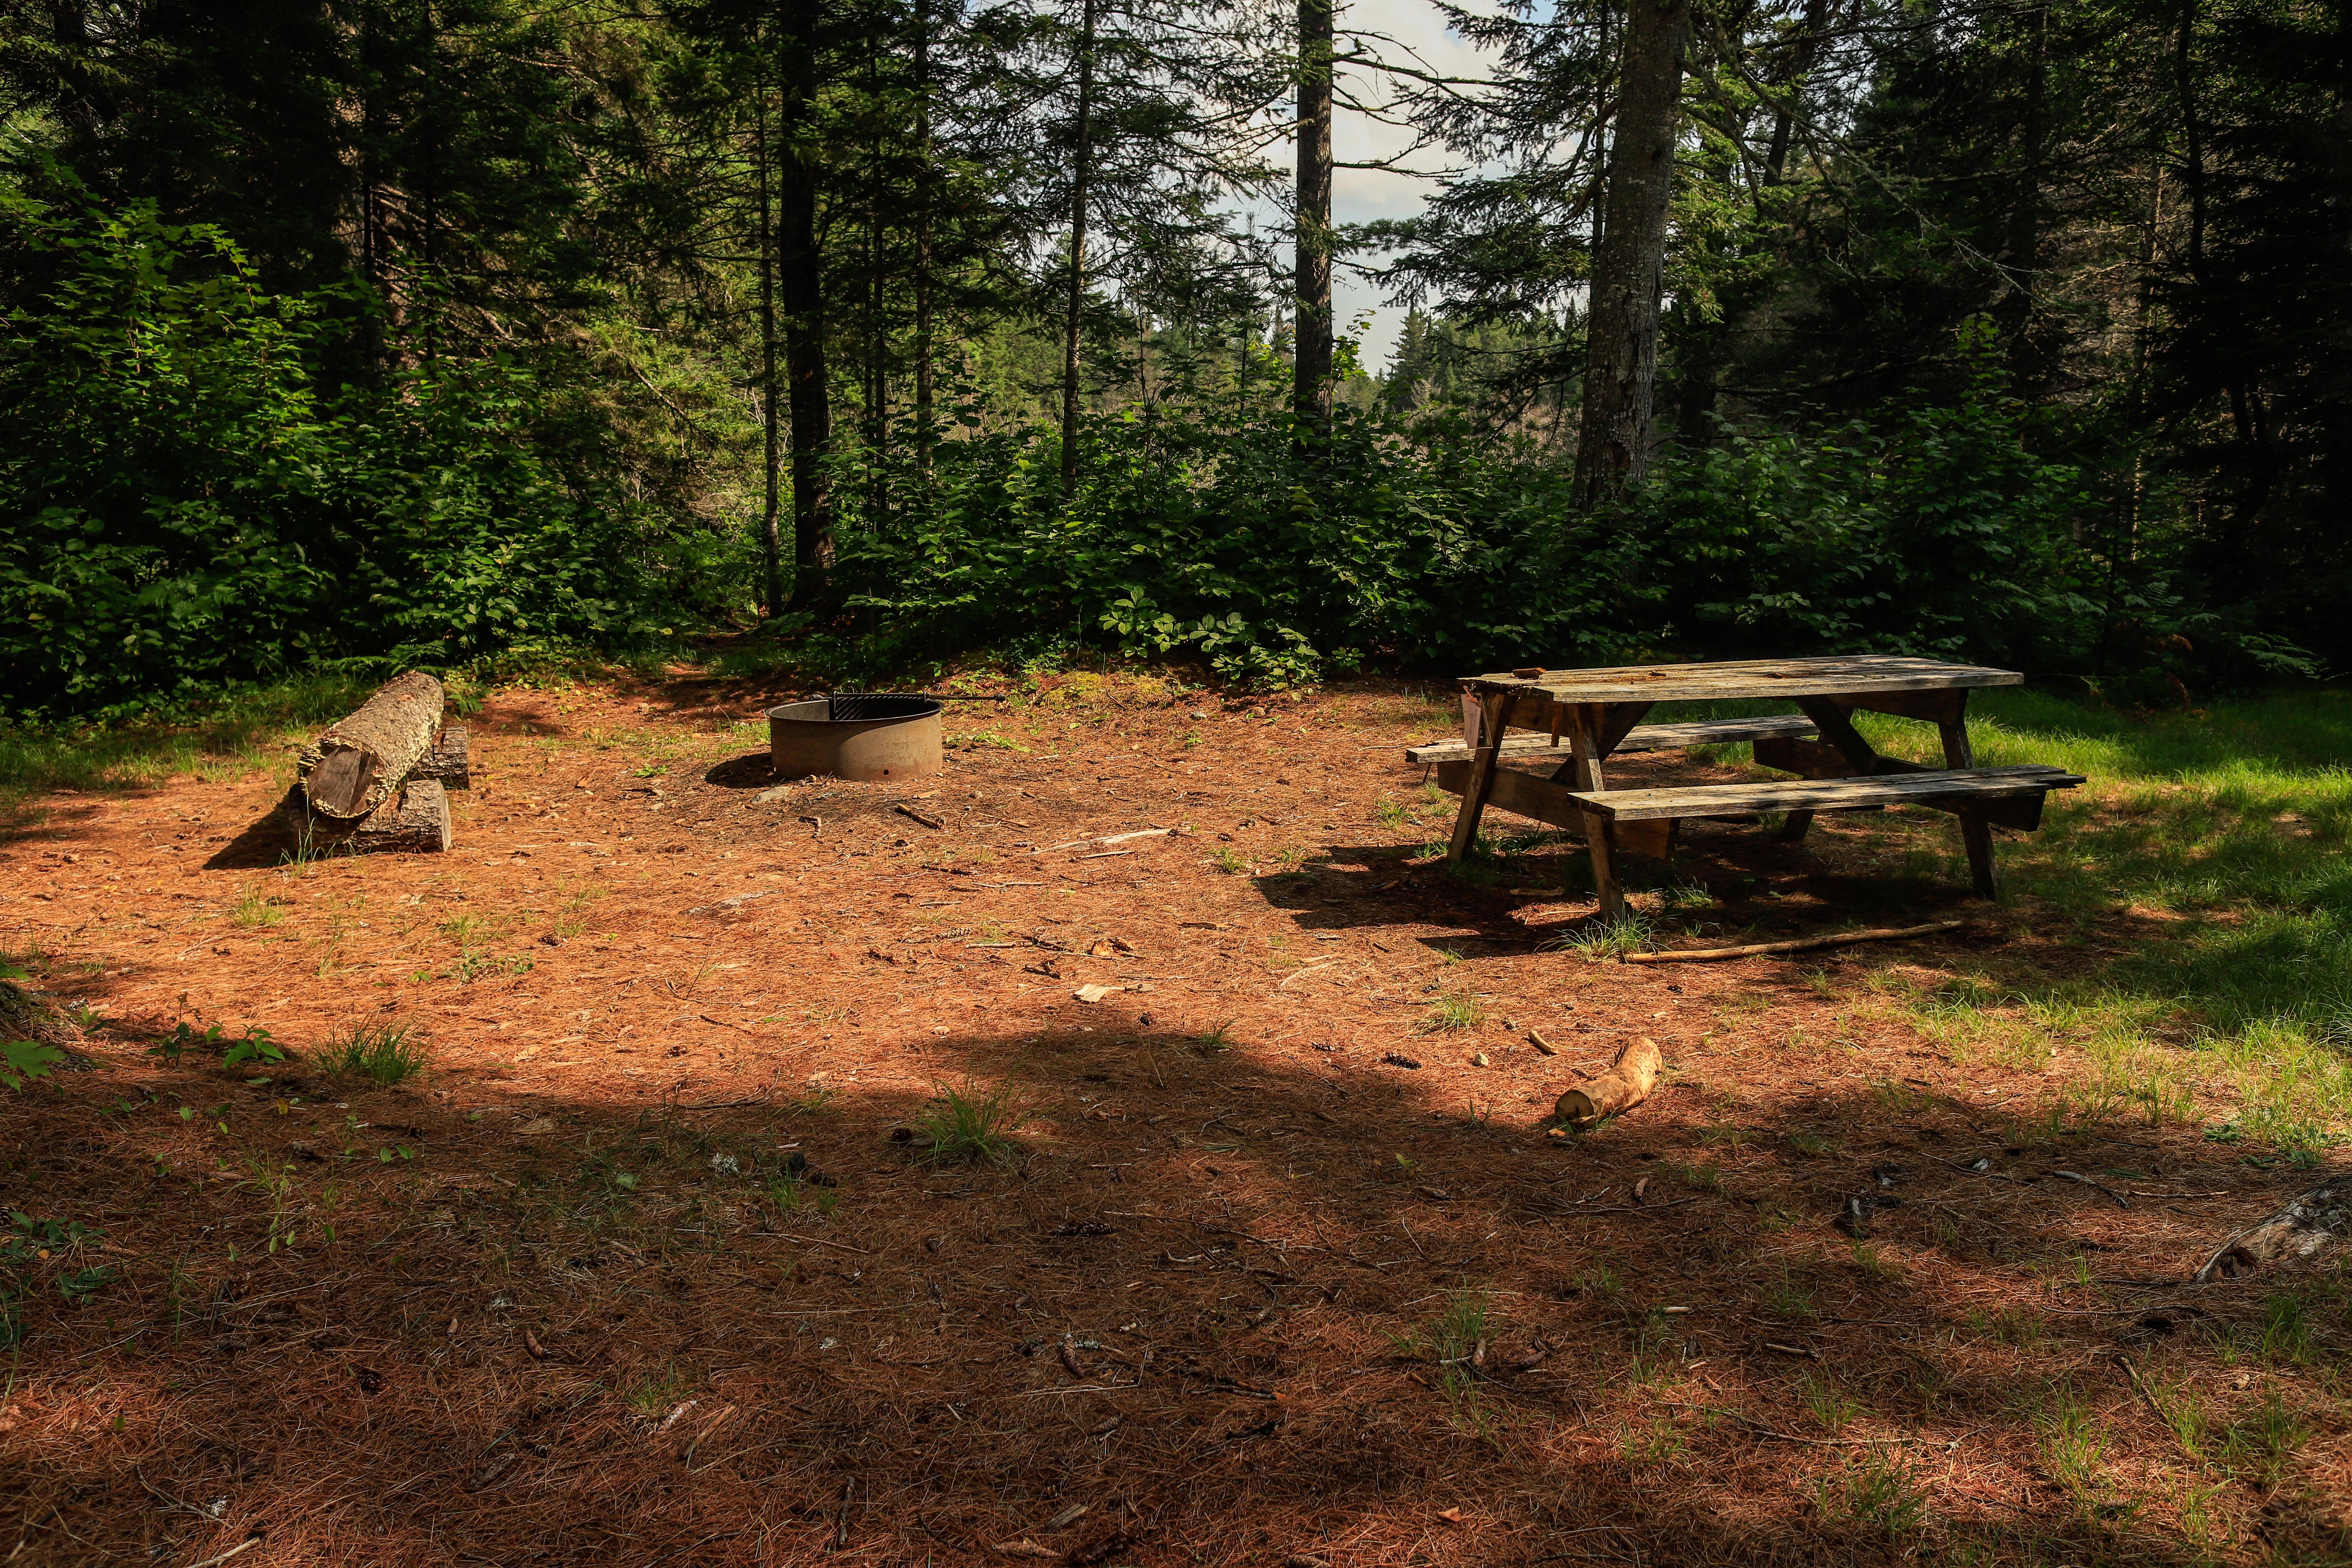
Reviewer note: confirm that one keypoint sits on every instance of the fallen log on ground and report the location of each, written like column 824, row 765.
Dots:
column 2313, row 1222
column 1800, row 944
column 356, row 765
column 1625, row 1084
column 416, row 820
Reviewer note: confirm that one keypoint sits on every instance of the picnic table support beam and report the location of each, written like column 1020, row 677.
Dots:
column 1836, row 729
column 1494, row 719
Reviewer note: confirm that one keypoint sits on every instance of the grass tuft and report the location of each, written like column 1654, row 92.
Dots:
column 386, row 1053
column 1598, row 941
column 971, row 1125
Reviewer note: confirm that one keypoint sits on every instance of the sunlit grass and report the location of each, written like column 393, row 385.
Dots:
column 2208, row 849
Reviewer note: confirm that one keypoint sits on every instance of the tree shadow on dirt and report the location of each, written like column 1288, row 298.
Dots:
column 1222, row 1306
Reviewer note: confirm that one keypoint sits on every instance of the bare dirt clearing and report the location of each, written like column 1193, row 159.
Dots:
column 645, row 1268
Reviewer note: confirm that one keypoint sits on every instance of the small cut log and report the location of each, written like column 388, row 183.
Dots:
column 414, row 821
column 447, row 760
column 354, row 767
column 1625, row 1084
column 2315, row 1221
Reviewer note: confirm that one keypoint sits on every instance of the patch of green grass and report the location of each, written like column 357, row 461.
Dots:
column 1455, row 1010
column 2215, row 841
column 1391, row 814
column 656, row 1392
column 1831, row 1408
column 1875, row 1266
column 1811, row 1144
column 386, row 1054
column 2073, row 1443
column 255, row 912
column 1231, row 861
column 2263, row 1444
column 226, row 735
column 1875, row 1492
column 1216, row 1040
column 2182, row 1410
column 971, row 1125
column 1598, row 941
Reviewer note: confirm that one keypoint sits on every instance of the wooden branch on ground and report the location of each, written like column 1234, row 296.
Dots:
column 1625, row 1084
column 354, row 767
column 2314, row 1221
column 1801, row 944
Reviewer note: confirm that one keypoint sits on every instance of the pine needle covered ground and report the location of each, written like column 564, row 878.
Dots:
column 679, row 1173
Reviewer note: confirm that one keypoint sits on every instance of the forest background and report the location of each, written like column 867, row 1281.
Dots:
column 359, row 333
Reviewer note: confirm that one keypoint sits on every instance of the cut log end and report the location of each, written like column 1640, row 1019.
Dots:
column 1625, row 1084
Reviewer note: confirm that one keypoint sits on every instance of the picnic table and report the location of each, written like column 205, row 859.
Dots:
column 1582, row 717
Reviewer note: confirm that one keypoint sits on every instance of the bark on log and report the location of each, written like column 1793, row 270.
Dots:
column 352, row 768
column 448, row 761
column 416, row 820
column 2316, row 1220
column 1625, row 1084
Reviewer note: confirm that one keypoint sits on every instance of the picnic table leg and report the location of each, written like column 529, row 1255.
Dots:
column 1976, row 833
column 1604, row 873
column 1584, row 774
column 1494, row 716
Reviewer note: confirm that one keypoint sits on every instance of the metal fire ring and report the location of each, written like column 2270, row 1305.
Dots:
column 866, row 737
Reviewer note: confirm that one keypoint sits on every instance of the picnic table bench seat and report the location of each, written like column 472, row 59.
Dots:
column 2006, row 796
column 1529, row 748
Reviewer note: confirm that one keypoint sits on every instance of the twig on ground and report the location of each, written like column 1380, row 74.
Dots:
column 1801, row 944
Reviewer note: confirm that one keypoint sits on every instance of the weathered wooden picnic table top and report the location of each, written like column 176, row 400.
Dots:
column 1767, row 677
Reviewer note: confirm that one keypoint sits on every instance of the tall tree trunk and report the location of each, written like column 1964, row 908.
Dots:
column 803, row 287
column 799, row 283
column 772, row 492
column 1622, row 344
column 1801, row 65
column 1084, row 156
column 2024, row 238
column 1310, row 393
column 923, row 237
column 877, row 359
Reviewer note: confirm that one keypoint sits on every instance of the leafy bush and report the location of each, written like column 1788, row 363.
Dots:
column 186, row 499
column 1934, row 530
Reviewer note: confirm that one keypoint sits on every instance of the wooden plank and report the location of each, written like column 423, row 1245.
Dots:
column 1826, row 795
column 1810, row 760
column 1780, row 678
column 1641, row 738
